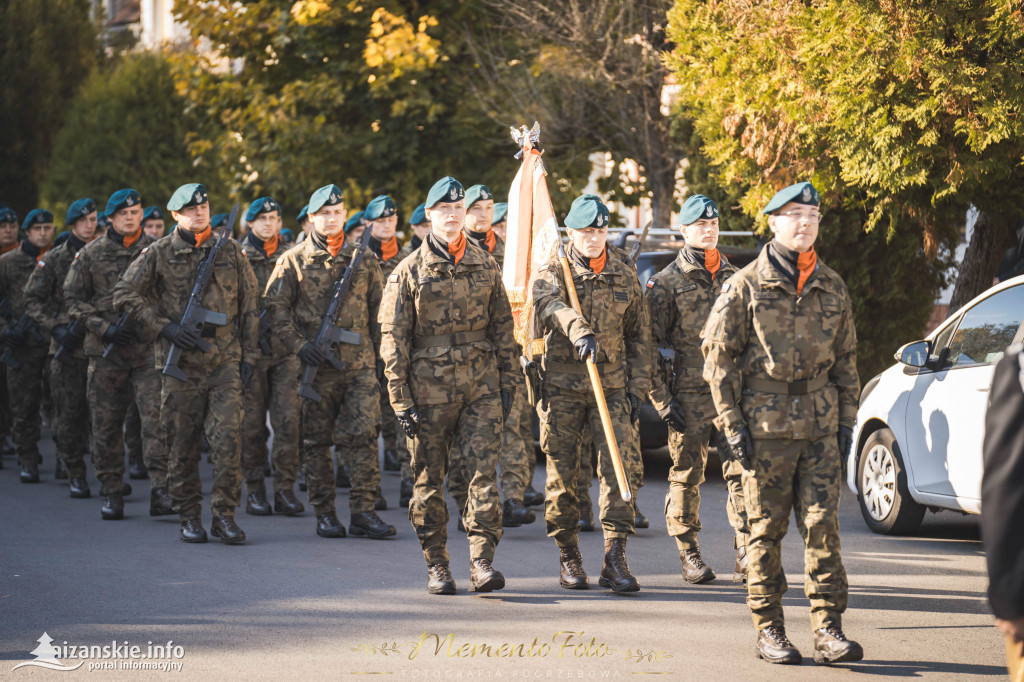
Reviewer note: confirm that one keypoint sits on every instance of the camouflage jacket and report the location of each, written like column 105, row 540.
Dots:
column 762, row 336
column 409, row 248
column 299, row 292
column 613, row 310
column 447, row 330
column 499, row 247
column 679, row 299
column 89, row 291
column 16, row 266
column 155, row 289
column 44, row 292
column 263, row 267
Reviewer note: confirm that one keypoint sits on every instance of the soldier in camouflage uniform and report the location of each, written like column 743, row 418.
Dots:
column 45, row 304
column 780, row 351
column 153, row 222
column 613, row 332
column 448, row 353
column 22, row 341
column 679, row 300
column 499, row 221
column 8, row 242
column 126, row 377
column 153, row 291
column 420, row 227
column 297, row 297
column 275, row 383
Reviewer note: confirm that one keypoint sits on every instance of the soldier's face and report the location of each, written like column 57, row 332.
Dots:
column 40, row 234
column 8, row 233
column 193, row 218
column 702, row 234
column 329, row 220
column 384, row 228
column 447, row 218
column 796, row 226
column 421, row 230
column 499, row 229
column 266, row 225
column 127, row 220
column 479, row 215
column 589, row 241
column 85, row 227
column 356, row 233
column 154, row 227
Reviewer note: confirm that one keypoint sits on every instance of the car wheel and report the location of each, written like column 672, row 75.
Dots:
column 882, row 490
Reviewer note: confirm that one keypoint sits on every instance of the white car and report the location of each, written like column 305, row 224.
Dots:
column 918, row 440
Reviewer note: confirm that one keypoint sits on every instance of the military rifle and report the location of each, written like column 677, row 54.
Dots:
column 635, row 253
column 24, row 325
column 62, row 349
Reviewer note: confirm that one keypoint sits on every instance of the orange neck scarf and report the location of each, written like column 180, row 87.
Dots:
column 9, row 247
column 389, row 249
column 335, row 243
column 712, row 261
column 458, row 247
column 42, row 251
column 270, row 245
column 130, row 239
column 202, row 236
column 490, row 241
column 597, row 264
column 806, row 263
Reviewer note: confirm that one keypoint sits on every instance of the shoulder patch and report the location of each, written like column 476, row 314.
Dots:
column 726, row 287
column 78, row 254
column 144, row 251
column 392, row 277
column 650, row 283
column 41, row 264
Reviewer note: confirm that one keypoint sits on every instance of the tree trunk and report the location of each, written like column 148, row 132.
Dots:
column 662, row 189
column 992, row 237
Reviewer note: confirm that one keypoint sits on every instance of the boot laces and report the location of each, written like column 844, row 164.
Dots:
column 834, row 632
column 694, row 557
column 573, row 562
column 441, row 571
column 778, row 635
column 619, row 555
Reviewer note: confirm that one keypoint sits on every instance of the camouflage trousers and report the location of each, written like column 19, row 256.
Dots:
column 274, row 389
column 564, row 416
column 211, row 405
column 133, row 431
column 5, row 405
column 112, row 391
column 348, row 414
column 394, row 436
column 70, row 412
column 801, row 477
column 25, row 391
column 689, row 453
column 474, row 430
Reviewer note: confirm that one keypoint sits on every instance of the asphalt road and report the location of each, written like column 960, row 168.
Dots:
column 290, row 605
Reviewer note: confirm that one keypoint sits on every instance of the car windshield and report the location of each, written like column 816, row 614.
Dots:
column 987, row 329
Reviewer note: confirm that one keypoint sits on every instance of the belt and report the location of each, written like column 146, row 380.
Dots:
column 573, row 367
column 783, row 388
column 456, row 339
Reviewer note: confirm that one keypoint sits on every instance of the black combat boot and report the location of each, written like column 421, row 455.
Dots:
column 615, row 572
column 160, row 502
column 328, row 526
column 192, row 531
column 286, row 503
column 391, row 462
column 514, row 514
column 572, row 576
column 694, row 569
column 405, row 493
column 380, row 504
column 60, row 473
column 774, row 647
column 369, row 525
column 531, row 498
column 113, row 508
column 831, row 646
column 30, row 473
column 343, row 478
column 439, row 579
column 7, row 448
column 136, row 469
column 739, row 571
column 79, row 488
column 586, row 522
column 483, row 577
column 640, row 521
column 257, row 504
column 225, row 528
column 126, row 489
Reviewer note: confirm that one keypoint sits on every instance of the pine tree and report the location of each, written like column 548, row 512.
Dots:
column 45, row 651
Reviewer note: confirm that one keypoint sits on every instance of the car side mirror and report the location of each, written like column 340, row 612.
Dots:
column 915, row 354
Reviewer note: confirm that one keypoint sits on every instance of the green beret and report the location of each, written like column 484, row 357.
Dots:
column 419, row 215
column 303, row 214
column 36, row 216
column 587, row 211
column 500, row 212
column 478, row 193
column 219, row 220
column 102, row 221
column 287, row 236
column 191, row 194
column 697, row 207
column 79, row 209
column 380, row 207
column 152, row 213
column 800, row 193
column 261, row 205
column 355, row 221
column 328, row 195
column 122, row 198
column 446, row 189
column 8, row 215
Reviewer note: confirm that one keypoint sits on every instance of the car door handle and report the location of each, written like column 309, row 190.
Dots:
column 983, row 389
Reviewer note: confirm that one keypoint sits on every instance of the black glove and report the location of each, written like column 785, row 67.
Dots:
column 845, row 438
column 118, row 335
column 380, row 370
column 672, row 414
column 12, row 340
column 409, row 419
column 506, row 402
column 587, row 347
column 179, row 336
column 66, row 338
column 742, row 447
column 634, row 408
column 311, row 355
column 245, row 371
